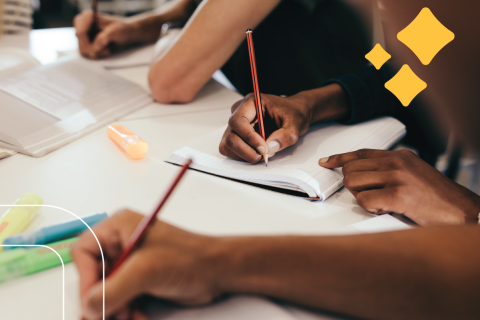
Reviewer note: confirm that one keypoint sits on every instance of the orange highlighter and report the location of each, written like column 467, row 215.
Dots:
column 131, row 143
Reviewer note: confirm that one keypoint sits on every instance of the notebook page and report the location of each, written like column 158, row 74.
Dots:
column 296, row 168
column 66, row 87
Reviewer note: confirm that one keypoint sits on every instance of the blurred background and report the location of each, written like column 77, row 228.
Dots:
column 41, row 14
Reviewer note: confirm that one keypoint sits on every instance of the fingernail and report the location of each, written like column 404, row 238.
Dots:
column 273, row 147
column 97, row 46
column 372, row 210
column 261, row 150
column 323, row 160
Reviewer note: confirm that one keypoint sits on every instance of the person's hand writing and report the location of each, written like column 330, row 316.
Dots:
column 170, row 263
column 400, row 182
column 112, row 32
column 285, row 120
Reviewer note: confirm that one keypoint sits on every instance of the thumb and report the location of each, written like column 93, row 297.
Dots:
column 102, row 40
column 281, row 139
column 120, row 288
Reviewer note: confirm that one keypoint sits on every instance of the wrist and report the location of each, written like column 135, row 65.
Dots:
column 306, row 101
column 329, row 103
column 241, row 265
column 146, row 30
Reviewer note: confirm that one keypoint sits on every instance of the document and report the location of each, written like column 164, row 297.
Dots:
column 48, row 106
column 70, row 87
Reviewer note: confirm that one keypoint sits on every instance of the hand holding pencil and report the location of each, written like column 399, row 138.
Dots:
column 160, row 267
column 138, row 253
column 255, row 134
column 286, row 119
column 98, row 34
column 262, row 124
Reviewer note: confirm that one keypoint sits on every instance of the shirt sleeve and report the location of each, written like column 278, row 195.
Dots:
column 309, row 5
column 367, row 94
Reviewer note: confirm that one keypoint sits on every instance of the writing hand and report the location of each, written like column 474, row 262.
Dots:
column 112, row 31
column 285, row 120
column 170, row 264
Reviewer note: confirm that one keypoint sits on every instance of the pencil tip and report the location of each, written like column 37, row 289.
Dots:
column 266, row 164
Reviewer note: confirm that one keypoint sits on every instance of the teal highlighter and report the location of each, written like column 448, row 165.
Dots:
column 19, row 262
column 55, row 232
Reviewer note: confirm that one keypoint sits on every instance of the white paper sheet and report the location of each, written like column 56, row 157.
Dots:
column 296, row 168
column 65, row 88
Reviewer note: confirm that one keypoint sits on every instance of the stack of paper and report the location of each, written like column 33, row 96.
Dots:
column 49, row 106
column 296, row 168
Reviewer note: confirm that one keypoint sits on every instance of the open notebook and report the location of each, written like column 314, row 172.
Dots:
column 46, row 107
column 296, row 168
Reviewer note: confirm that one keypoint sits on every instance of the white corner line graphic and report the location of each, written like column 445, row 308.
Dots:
column 98, row 242
column 63, row 268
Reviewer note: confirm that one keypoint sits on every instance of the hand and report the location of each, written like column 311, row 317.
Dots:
column 290, row 118
column 170, row 263
column 285, row 120
column 400, row 182
column 112, row 32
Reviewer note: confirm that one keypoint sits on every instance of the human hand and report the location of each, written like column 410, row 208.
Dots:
column 285, row 120
column 170, row 263
column 112, row 33
column 400, row 182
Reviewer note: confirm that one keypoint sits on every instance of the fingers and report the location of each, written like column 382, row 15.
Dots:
column 99, row 46
column 376, row 164
column 281, row 139
column 241, row 139
column 129, row 281
column 338, row 160
column 86, row 254
column 365, row 180
column 381, row 200
column 103, row 39
column 226, row 151
column 112, row 235
column 82, row 23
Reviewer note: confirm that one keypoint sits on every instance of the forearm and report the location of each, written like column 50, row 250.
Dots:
column 211, row 36
column 148, row 25
column 415, row 274
column 329, row 103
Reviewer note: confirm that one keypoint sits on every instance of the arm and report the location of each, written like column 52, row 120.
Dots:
column 425, row 273
column 123, row 32
column 208, row 40
column 415, row 274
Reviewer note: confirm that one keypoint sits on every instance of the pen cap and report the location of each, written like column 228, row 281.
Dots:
column 131, row 143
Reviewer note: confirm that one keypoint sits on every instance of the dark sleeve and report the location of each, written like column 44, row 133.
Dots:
column 367, row 94
column 370, row 99
column 309, row 5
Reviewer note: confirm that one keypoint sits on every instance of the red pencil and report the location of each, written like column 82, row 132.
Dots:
column 147, row 221
column 256, row 90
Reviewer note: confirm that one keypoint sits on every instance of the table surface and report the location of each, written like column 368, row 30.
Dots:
column 93, row 175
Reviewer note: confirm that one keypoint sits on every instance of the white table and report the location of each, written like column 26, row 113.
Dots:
column 94, row 175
